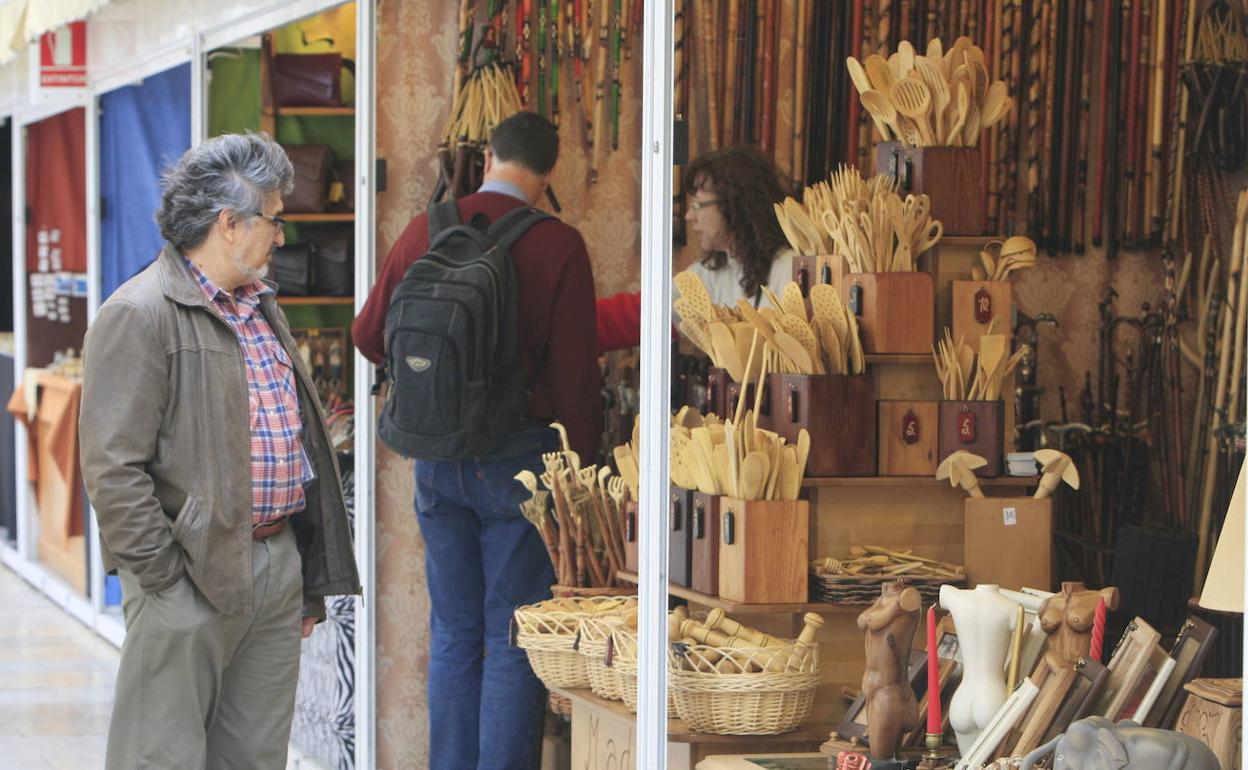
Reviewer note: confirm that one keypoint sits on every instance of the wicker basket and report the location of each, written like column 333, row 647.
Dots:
column 548, row 633
column 865, row 589
column 604, row 680
column 764, row 702
column 624, row 660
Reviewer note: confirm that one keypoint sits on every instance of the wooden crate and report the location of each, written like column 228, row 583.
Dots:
column 978, row 304
column 909, row 435
column 977, row 427
column 717, row 380
column 896, row 311
column 705, row 538
column 837, row 410
column 949, row 176
column 763, row 553
column 1009, row 542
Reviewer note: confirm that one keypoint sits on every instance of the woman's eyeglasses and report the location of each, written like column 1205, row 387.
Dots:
column 699, row 205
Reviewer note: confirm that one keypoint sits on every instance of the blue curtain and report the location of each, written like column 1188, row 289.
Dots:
column 143, row 129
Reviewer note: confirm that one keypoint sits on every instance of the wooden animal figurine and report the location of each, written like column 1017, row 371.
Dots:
column 1056, row 467
column 1067, row 619
column 959, row 468
column 892, row 710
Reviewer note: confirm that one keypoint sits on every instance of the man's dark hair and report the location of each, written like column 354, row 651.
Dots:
column 528, row 139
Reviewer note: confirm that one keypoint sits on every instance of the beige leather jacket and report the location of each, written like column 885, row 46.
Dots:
column 166, row 446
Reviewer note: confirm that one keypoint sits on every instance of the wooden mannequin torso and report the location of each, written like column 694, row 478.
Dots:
column 1066, row 618
column 892, row 709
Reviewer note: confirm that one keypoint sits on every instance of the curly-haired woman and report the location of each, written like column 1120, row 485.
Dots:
column 729, row 210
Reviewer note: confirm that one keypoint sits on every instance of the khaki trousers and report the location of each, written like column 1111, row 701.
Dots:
column 200, row 690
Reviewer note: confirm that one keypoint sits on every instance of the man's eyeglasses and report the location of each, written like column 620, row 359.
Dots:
column 699, row 205
column 277, row 221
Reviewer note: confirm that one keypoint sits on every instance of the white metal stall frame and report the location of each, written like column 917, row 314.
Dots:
column 160, row 35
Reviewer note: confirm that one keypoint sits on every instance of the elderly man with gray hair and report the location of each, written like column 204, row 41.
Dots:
column 207, row 459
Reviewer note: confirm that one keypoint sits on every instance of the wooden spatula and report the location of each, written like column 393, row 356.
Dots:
column 725, row 345
column 794, row 352
column 754, row 475
column 993, row 349
column 792, row 301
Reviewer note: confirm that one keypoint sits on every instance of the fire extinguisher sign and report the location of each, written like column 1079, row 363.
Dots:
column 63, row 56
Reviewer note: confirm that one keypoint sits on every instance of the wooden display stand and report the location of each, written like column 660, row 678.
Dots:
column 759, row 542
column 604, row 738
column 908, row 437
column 717, row 380
column 1213, row 714
column 977, row 305
column 1009, row 542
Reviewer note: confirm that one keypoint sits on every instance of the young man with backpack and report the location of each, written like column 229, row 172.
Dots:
column 483, row 316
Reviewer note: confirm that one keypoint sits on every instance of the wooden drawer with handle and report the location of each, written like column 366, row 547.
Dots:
column 909, row 437
column 896, row 311
column 705, row 536
column 949, row 176
column 679, row 515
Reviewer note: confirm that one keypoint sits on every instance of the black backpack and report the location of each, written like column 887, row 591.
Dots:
column 451, row 353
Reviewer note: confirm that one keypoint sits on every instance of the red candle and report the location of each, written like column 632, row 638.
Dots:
column 1098, row 631
column 933, row 675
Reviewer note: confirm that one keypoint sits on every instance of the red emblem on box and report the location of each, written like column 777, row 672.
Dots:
column 966, row 427
column 983, row 306
column 910, row 427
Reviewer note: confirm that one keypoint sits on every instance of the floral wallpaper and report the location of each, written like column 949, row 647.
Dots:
column 416, row 52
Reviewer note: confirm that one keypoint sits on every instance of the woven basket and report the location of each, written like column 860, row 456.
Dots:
column 548, row 632
column 762, row 702
column 596, row 632
column 865, row 589
column 624, row 660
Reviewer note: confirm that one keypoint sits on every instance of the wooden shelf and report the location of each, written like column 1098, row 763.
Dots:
column 906, row 359
column 316, row 300
column 705, row 600
column 312, row 218
column 314, row 112
column 968, row 241
column 678, row 733
column 913, row 481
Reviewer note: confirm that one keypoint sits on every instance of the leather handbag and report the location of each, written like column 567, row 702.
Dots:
column 312, row 163
column 335, row 274
column 307, row 79
column 292, row 269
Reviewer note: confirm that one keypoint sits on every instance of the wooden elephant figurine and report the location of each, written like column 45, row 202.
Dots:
column 1096, row 743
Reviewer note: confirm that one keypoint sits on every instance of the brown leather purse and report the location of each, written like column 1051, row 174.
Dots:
column 307, row 79
column 312, row 163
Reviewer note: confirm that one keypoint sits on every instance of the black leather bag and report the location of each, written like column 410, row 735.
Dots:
column 312, row 163
column 335, row 273
column 307, row 79
column 292, row 269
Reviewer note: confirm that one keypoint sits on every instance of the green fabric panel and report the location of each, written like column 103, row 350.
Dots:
column 234, row 91
column 337, row 131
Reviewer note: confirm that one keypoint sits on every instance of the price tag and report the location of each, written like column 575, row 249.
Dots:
column 966, row 427
column 983, row 306
column 910, row 427
column 1010, row 516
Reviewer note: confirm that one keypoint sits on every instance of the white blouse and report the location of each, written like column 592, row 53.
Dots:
column 724, row 284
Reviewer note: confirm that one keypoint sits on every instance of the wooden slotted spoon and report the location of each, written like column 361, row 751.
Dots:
column 792, row 301
column 881, row 109
column 935, row 81
column 863, row 83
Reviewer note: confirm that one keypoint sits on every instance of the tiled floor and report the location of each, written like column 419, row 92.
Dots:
column 56, row 684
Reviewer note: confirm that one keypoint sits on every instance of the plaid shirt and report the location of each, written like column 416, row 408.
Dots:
column 279, row 464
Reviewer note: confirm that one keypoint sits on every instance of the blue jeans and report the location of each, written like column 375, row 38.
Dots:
column 482, row 559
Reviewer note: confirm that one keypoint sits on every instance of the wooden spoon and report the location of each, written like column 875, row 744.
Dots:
column 795, row 352
column 997, row 105
column 963, row 100
column 882, row 111
column 724, row 342
column 754, row 472
column 880, row 73
column 905, row 53
column 863, row 83
column 935, row 81
column 992, row 351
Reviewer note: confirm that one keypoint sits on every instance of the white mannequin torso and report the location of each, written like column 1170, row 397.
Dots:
column 985, row 620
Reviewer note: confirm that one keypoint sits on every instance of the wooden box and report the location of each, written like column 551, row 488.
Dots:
column 838, row 410
column 896, row 311
column 976, row 427
column 717, row 380
column 704, row 534
column 733, row 389
column 1009, row 541
column 763, row 551
column 908, row 437
column 1213, row 714
column 679, row 508
column 950, row 176
column 630, row 536
column 978, row 304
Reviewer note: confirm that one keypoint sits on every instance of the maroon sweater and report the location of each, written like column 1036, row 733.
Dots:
column 557, row 340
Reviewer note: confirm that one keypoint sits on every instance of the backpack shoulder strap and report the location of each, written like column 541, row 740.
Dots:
column 508, row 228
column 443, row 215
